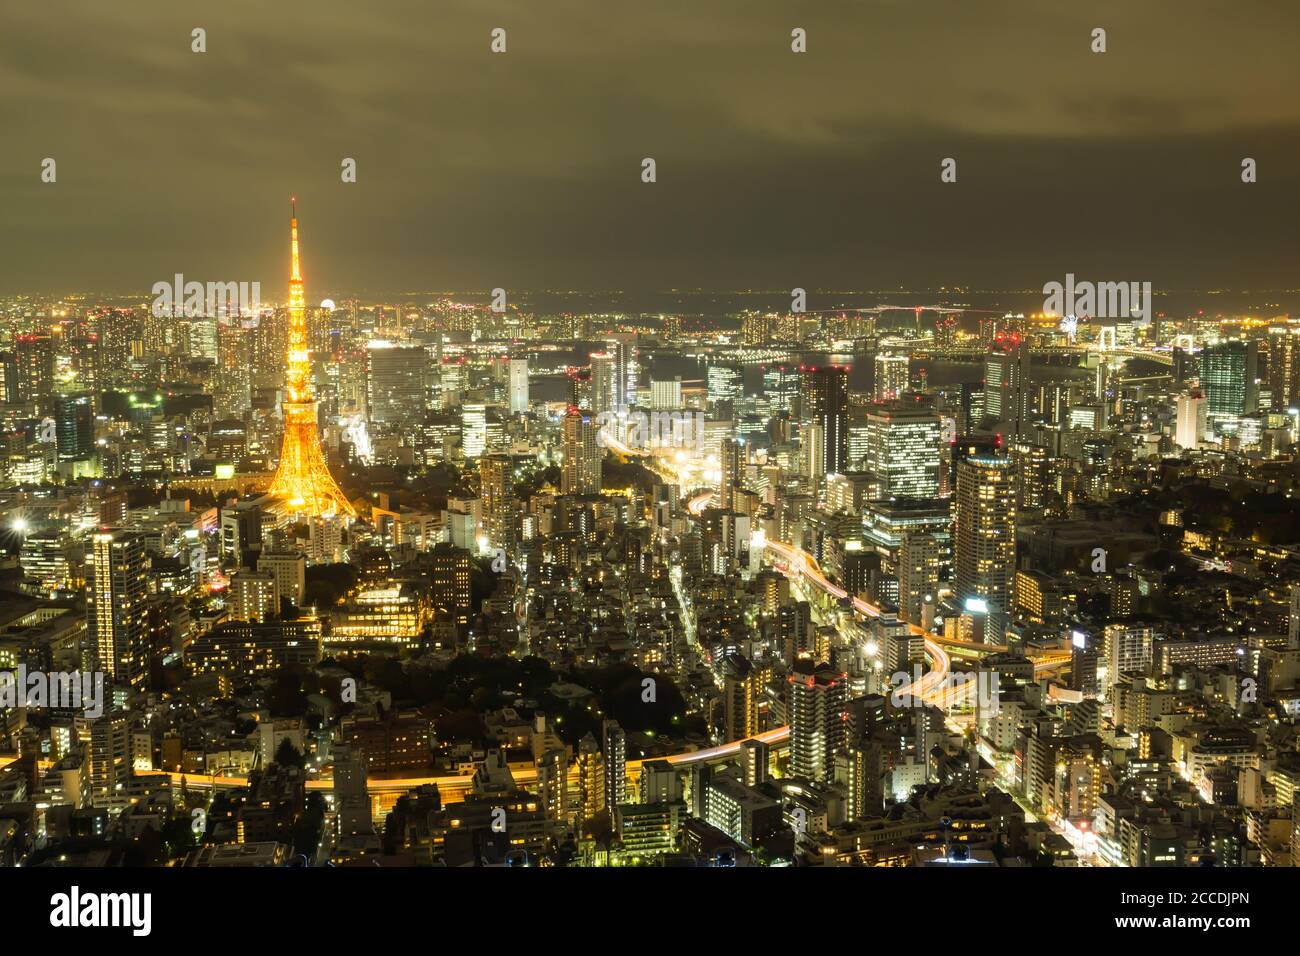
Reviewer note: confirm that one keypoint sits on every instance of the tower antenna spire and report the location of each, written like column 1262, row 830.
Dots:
column 303, row 478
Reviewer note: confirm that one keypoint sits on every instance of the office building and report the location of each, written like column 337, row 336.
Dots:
column 74, row 423
column 1228, row 378
column 823, row 394
column 395, row 382
column 903, row 451
column 473, row 429
column 666, row 393
column 1006, row 379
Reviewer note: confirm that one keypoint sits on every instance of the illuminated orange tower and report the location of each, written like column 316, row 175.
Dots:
column 303, row 479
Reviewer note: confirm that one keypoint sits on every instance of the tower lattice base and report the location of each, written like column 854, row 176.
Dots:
column 302, row 478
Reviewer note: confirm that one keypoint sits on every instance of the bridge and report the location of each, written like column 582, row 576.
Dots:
column 1161, row 356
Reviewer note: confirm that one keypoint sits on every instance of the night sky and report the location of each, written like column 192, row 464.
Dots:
column 775, row 169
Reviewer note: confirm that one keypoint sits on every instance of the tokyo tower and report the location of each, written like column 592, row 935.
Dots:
column 302, row 478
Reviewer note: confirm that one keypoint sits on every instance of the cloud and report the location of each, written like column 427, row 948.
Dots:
column 523, row 169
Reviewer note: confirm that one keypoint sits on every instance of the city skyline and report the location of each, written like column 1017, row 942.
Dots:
column 839, row 434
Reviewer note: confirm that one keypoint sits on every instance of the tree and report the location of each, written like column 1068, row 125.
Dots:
column 178, row 835
column 327, row 584
column 287, row 754
column 307, row 828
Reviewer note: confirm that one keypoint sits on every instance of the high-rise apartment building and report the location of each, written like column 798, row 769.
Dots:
column 117, row 586
column 580, row 473
column 818, row 699
column 891, row 377
column 615, row 750
column 742, row 689
column 496, row 490
column 604, row 382
column 254, row 596
column 1190, row 426
column 518, row 386
column 984, row 539
column 919, row 560
column 731, row 459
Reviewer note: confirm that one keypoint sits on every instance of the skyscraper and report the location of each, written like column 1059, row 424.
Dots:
column 1228, row 372
column 818, row 698
column 579, row 390
column 10, row 387
column 74, row 425
column 302, row 478
column 496, row 490
column 604, row 380
column 395, row 383
column 623, row 347
column 35, row 363
column 731, row 453
column 1006, row 376
column 582, row 454
column 724, row 384
column 903, row 450
column 891, row 377
column 742, row 689
column 823, row 392
column 615, row 749
column 984, row 539
column 1284, row 366
column 1190, row 427
column 473, row 429
column 116, row 589
column 518, row 386
column 919, row 558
